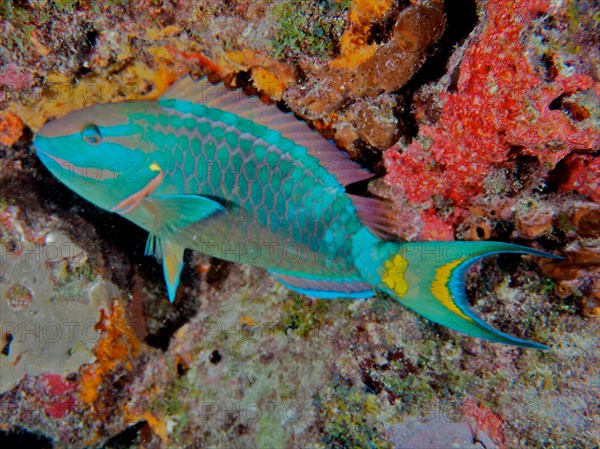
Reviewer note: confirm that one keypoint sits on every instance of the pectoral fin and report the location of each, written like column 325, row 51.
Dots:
column 172, row 214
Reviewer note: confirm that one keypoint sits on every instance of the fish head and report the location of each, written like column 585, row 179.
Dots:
column 101, row 152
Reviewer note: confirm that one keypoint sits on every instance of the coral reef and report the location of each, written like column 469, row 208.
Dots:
column 502, row 144
column 500, row 102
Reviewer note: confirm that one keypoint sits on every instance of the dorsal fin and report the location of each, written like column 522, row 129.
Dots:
column 237, row 102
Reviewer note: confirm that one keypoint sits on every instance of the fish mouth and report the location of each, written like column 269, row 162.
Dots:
column 41, row 152
column 42, row 149
column 92, row 172
column 43, row 156
column 40, row 141
column 49, row 160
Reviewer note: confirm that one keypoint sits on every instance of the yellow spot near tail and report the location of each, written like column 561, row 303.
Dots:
column 439, row 287
column 393, row 276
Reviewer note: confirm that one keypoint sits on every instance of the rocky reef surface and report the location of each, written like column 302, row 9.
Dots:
column 482, row 119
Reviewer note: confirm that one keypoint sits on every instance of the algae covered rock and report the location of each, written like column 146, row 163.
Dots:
column 50, row 305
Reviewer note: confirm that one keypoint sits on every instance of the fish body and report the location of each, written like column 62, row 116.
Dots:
column 209, row 169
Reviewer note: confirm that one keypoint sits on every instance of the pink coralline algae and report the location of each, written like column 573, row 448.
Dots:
column 583, row 176
column 15, row 79
column 60, row 395
column 504, row 105
column 484, row 423
column 435, row 227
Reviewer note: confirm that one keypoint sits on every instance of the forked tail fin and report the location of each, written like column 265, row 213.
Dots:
column 428, row 278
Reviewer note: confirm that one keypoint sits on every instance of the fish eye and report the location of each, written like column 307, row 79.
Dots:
column 91, row 134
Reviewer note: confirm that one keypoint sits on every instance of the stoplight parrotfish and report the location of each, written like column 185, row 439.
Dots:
column 208, row 168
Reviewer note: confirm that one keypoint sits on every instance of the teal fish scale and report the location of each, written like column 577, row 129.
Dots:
column 280, row 197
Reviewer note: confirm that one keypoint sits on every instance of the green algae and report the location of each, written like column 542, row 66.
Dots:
column 302, row 319
column 307, row 28
column 21, row 20
column 351, row 418
column 170, row 402
column 66, row 6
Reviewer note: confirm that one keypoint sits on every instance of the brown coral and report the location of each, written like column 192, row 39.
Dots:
column 535, row 222
column 373, row 121
column 368, row 70
column 393, row 64
column 586, row 219
column 591, row 303
column 478, row 229
column 578, row 274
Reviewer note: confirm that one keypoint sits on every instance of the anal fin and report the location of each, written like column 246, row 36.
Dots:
column 328, row 288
